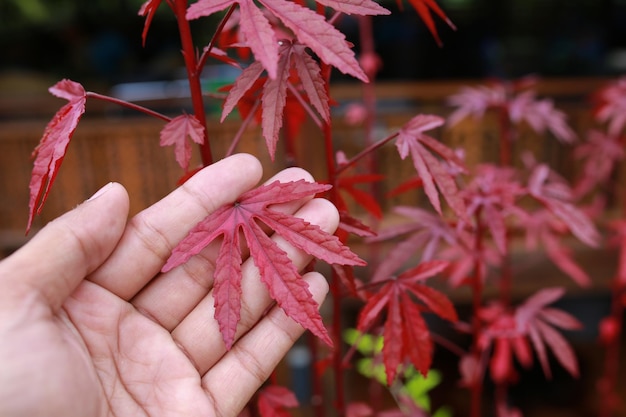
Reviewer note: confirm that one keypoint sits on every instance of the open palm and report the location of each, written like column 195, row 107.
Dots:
column 127, row 340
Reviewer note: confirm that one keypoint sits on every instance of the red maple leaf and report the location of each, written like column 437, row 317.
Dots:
column 51, row 150
column 513, row 332
column 508, row 341
column 424, row 8
column 552, row 191
column 310, row 28
column 278, row 273
column 176, row 133
column 492, row 195
column 542, row 227
column 426, row 233
column 273, row 401
column 357, row 7
column 537, row 321
column 434, row 174
column 362, row 198
column 148, row 9
column 475, row 101
column 519, row 103
column 294, row 64
column 610, row 106
column 601, row 153
column 405, row 332
column 540, row 115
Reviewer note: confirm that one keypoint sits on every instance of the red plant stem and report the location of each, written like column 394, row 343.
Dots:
column 371, row 148
column 337, row 328
column 207, row 51
column 608, row 405
column 506, row 277
column 129, row 105
column 317, row 393
column 608, row 382
column 304, row 105
column 504, row 121
column 189, row 55
column 244, row 125
column 477, row 295
column 335, row 287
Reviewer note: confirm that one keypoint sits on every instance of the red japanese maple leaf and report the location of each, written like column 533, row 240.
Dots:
column 520, row 104
column 148, row 10
column 51, row 150
column 424, row 8
column 600, row 154
column 474, row 101
column 508, row 341
column 512, row 332
column 469, row 262
column 363, row 198
column 434, row 174
column 426, row 231
column 537, row 321
column 310, row 28
column 611, row 106
column 540, row 115
column 176, row 133
column 405, row 332
column 549, row 189
column 273, row 92
column 492, row 195
column 545, row 229
column 273, row 401
column 277, row 272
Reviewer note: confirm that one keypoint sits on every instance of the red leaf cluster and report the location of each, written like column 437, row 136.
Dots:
column 513, row 333
column 294, row 62
column 311, row 29
column 278, row 273
column 405, row 332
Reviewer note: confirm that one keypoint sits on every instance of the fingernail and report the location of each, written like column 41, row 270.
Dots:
column 100, row 192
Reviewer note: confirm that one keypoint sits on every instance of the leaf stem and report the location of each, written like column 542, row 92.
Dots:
column 207, row 51
column 244, row 125
column 129, row 105
column 304, row 104
column 477, row 295
column 193, row 75
column 365, row 152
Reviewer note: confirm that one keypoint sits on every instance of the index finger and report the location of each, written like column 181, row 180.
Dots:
column 151, row 235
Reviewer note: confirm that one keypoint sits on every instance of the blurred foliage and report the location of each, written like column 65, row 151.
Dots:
column 412, row 384
column 19, row 13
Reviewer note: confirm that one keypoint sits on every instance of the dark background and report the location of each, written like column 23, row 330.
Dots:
column 100, row 40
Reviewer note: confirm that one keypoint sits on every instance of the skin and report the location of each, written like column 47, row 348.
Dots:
column 90, row 327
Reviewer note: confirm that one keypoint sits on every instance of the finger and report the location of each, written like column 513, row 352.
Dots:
column 152, row 234
column 171, row 296
column 253, row 358
column 64, row 252
column 199, row 334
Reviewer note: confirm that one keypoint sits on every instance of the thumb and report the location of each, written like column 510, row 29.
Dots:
column 64, row 252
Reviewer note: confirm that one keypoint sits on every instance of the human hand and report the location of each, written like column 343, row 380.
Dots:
column 90, row 327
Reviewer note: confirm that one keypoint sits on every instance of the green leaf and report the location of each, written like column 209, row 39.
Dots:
column 365, row 343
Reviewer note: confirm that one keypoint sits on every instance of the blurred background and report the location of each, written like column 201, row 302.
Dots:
column 99, row 41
